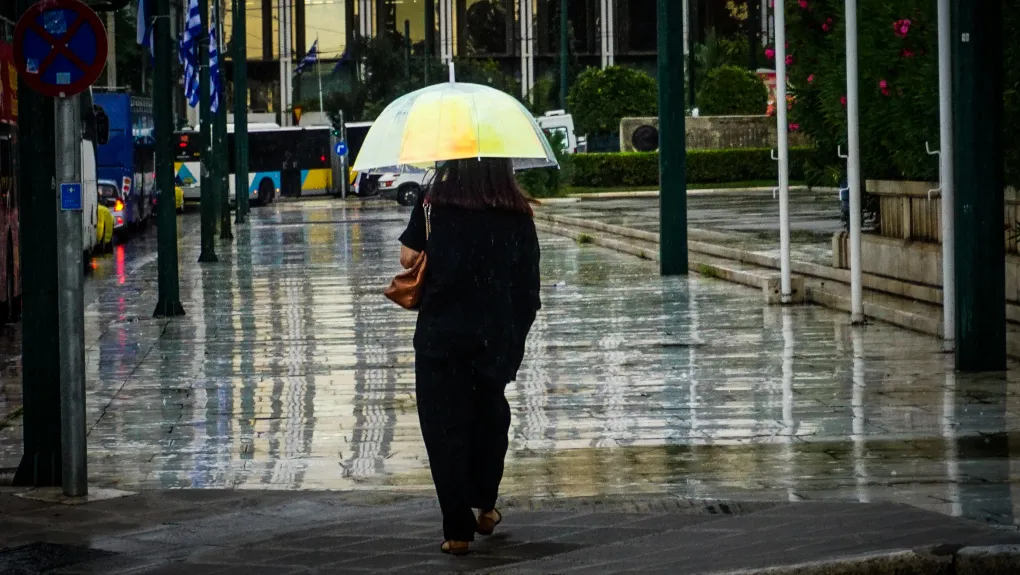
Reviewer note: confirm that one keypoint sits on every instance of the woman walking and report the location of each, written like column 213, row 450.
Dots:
column 479, row 299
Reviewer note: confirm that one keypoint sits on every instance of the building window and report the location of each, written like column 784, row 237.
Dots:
column 327, row 21
column 482, row 27
column 636, row 26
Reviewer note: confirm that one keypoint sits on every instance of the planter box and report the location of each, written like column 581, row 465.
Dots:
column 913, row 211
column 707, row 133
column 910, row 261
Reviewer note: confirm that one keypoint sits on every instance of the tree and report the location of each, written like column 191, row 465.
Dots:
column 599, row 99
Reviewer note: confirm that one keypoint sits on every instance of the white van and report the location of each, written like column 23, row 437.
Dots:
column 559, row 121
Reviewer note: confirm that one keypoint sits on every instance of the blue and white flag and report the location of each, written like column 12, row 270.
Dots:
column 310, row 58
column 143, row 34
column 343, row 59
column 215, row 85
column 188, row 56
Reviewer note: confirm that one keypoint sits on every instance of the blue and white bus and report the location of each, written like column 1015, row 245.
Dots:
column 282, row 162
column 127, row 158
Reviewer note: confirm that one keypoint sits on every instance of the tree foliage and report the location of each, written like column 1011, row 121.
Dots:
column 599, row 99
column 898, row 70
column 730, row 91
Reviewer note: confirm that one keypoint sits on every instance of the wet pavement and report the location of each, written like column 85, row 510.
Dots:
column 292, row 372
column 752, row 219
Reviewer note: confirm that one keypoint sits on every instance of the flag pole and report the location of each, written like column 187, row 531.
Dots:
column 318, row 72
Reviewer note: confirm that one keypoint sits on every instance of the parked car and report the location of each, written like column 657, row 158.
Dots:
column 406, row 184
column 111, row 196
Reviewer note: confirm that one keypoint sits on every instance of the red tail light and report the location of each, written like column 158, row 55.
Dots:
column 119, row 206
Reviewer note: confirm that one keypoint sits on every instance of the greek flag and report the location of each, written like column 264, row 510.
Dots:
column 187, row 55
column 310, row 58
column 143, row 34
column 215, row 86
column 343, row 59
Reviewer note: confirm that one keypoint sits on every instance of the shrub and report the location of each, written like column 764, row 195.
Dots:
column 547, row 182
column 599, row 99
column 703, row 166
column 732, row 91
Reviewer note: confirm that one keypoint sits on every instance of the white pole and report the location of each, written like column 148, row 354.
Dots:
column 853, row 165
column 524, row 49
column 784, row 160
column 283, row 69
column 948, row 174
column 318, row 72
column 611, row 32
column 603, row 32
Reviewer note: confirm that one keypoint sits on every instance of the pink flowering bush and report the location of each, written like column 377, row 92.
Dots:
column 898, row 87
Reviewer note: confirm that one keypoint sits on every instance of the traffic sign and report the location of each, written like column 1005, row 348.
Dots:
column 70, row 197
column 59, row 47
column 341, row 148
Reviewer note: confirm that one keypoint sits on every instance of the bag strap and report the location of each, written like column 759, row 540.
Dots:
column 428, row 220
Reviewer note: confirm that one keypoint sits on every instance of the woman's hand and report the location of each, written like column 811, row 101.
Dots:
column 407, row 257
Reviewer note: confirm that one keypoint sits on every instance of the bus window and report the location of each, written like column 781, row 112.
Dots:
column 266, row 150
column 313, row 149
column 189, row 147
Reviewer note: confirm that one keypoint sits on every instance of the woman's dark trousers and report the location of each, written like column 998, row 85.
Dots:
column 464, row 419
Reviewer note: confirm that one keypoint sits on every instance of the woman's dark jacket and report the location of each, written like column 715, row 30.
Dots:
column 481, row 288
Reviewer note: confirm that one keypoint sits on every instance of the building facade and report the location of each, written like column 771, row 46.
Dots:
column 521, row 35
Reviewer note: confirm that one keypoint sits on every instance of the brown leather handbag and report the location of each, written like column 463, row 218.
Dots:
column 405, row 289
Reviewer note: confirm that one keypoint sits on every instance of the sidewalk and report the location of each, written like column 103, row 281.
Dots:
column 223, row 532
column 291, row 379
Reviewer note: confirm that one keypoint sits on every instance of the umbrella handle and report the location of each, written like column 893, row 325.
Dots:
column 453, row 75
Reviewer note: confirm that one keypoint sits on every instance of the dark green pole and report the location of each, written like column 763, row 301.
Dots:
column 430, row 37
column 407, row 50
column 980, row 211
column 40, row 358
column 564, row 52
column 692, row 63
column 209, row 197
column 240, row 57
column 672, row 144
column 169, row 302
column 222, row 154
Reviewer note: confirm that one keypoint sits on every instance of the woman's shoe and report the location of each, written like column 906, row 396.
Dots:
column 456, row 548
column 488, row 521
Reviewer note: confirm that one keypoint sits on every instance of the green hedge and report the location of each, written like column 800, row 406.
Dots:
column 703, row 166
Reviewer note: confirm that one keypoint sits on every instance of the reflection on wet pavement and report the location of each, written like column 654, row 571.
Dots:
column 291, row 371
column 752, row 219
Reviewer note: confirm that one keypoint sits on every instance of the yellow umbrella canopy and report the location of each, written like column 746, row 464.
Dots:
column 454, row 121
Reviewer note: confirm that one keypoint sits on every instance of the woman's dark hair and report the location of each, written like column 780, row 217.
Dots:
column 478, row 184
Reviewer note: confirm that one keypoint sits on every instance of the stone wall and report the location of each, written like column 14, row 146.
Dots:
column 706, row 133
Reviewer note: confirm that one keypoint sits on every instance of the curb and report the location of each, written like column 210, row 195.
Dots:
column 942, row 560
column 699, row 192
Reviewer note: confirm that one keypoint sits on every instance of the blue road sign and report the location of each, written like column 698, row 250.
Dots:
column 70, row 197
column 59, row 47
column 341, row 148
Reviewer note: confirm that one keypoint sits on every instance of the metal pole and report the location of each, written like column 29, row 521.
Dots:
column 565, row 50
column 753, row 26
column 70, row 301
column 240, row 46
column 40, row 463
column 786, row 295
column 208, row 184
column 222, row 158
column 169, row 287
column 673, row 258
column 947, row 168
column 853, row 163
column 111, row 51
column 430, row 36
column 977, row 34
column 692, row 64
column 283, row 69
column 344, row 159
column 407, row 52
